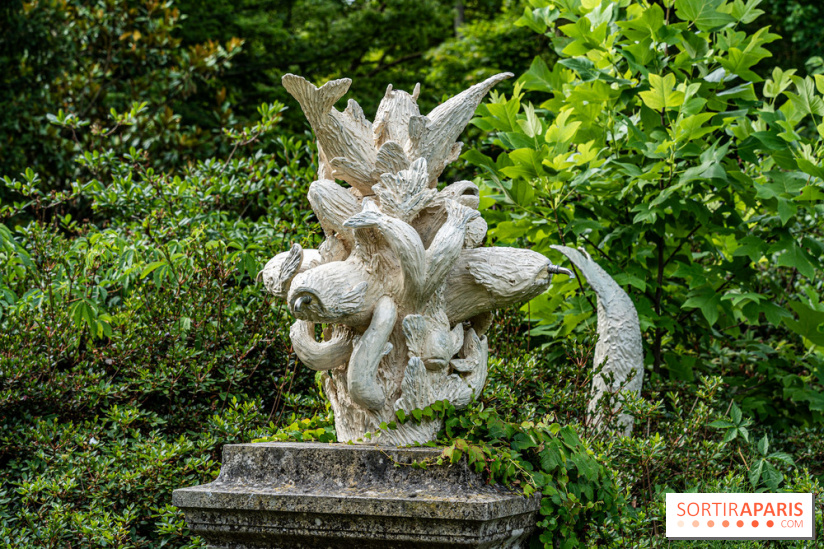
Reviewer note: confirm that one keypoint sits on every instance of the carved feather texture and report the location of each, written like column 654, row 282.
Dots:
column 415, row 388
column 619, row 334
column 399, row 270
column 289, row 268
column 391, row 159
column 404, row 195
column 345, row 137
column 392, row 118
column 414, row 329
column 351, row 302
column 369, row 217
column 353, row 149
column 433, row 137
column 315, row 102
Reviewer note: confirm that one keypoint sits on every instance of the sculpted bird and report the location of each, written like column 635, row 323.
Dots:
column 401, row 283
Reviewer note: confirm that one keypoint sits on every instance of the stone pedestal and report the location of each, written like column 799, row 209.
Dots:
column 329, row 496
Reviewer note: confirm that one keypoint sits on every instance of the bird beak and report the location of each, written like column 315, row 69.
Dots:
column 555, row 269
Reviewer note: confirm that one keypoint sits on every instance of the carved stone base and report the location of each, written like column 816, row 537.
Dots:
column 312, row 495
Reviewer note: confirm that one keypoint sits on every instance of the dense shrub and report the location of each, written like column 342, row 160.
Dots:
column 653, row 144
column 134, row 341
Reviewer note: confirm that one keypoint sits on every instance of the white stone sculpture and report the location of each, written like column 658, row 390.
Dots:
column 401, row 286
column 619, row 347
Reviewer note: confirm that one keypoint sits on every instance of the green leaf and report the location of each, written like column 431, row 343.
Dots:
column 763, row 445
column 704, row 13
column 795, row 256
column 806, row 100
column 771, row 476
column 808, row 323
column 538, row 77
column 810, row 169
column 583, row 66
column 692, row 127
column 151, row 267
column 810, row 193
column 738, row 62
column 646, row 26
column 562, row 129
column 755, row 473
column 526, row 163
column 782, row 457
column 746, row 13
column 706, row 299
column 786, row 210
column 662, row 94
column 735, row 414
column 780, row 81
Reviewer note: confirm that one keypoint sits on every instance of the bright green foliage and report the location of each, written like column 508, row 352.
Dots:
column 650, row 144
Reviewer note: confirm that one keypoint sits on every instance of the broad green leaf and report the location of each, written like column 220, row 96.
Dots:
column 646, row 26
column 692, row 127
column 795, row 257
column 526, row 163
column 810, row 193
column 752, row 247
column 708, row 301
column 780, row 81
column 537, row 19
column 562, row 130
column 808, row 323
column 151, row 267
column 739, row 62
column 773, row 313
column 662, row 94
column 735, row 414
column 806, row 100
column 746, row 12
column 755, row 473
column 583, row 66
column 538, row 77
column 531, row 125
column 786, row 210
column 782, row 457
column 809, row 168
column 771, row 476
column 704, row 13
